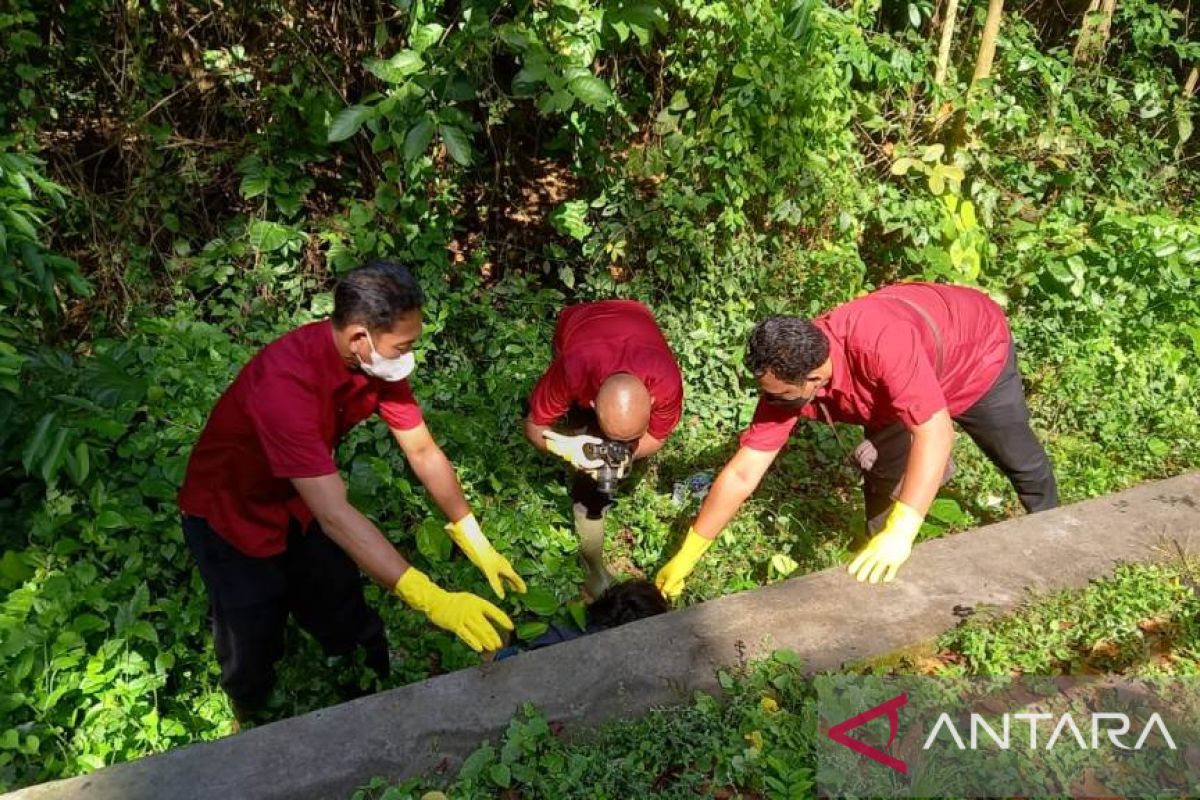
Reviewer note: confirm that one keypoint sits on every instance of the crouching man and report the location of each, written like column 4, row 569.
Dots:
column 615, row 388
column 906, row 362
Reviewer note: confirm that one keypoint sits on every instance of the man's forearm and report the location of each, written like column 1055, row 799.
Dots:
column 932, row 442
column 365, row 545
column 737, row 481
column 436, row 474
column 728, row 493
column 722, row 503
column 648, row 446
column 534, row 433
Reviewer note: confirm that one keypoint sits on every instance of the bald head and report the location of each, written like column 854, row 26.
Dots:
column 623, row 407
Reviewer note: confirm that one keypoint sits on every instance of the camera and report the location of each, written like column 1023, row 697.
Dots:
column 615, row 457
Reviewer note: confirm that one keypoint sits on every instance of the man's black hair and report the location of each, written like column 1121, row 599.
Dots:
column 626, row 602
column 376, row 295
column 790, row 347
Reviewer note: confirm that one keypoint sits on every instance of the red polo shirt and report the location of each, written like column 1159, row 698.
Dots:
column 282, row 417
column 884, row 357
column 595, row 340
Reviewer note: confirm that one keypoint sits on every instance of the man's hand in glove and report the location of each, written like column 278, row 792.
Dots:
column 889, row 548
column 470, row 617
column 671, row 577
column 570, row 449
column 469, row 537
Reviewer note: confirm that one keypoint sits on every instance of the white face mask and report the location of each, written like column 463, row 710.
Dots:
column 388, row 369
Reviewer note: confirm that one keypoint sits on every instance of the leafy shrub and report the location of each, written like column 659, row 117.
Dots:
column 720, row 160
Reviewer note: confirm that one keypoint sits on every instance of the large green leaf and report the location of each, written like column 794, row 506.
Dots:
column 947, row 510
column 638, row 18
column 15, row 568
column 114, row 379
column 533, row 74
column 418, row 139
column 347, row 122
column 54, row 455
column 37, row 442
column 784, row 564
column 397, row 68
column 571, row 218
column 254, row 185
column 531, row 630
column 432, row 540
column 458, row 145
column 540, row 601
column 110, row 519
column 591, row 90
column 21, row 224
column 80, row 463
column 476, row 762
column 269, row 236
column 426, row 36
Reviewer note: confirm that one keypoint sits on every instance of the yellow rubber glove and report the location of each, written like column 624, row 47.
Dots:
column 889, row 548
column 570, row 449
column 467, row 534
column 671, row 577
column 461, row 613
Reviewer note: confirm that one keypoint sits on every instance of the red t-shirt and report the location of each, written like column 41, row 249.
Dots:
column 884, row 357
column 282, row 417
column 595, row 340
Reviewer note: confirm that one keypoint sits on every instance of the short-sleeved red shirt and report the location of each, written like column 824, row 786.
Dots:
column 884, row 360
column 280, row 419
column 595, row 340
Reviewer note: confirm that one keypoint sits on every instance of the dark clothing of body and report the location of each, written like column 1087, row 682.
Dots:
column 251, row 597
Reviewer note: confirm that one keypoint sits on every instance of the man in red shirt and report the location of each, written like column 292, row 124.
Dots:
column 613, row 380
column 265, row 511
column 905, row 362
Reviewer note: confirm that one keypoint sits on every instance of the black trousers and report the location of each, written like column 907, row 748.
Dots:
column 998, row 423
column 250, row 600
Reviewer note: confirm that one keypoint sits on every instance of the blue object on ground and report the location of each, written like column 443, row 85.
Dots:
column 696, row 486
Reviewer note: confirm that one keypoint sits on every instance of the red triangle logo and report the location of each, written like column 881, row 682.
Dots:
column 892, row 709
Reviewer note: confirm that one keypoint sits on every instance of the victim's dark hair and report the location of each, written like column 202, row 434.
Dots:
column 626, row 602
column 376, row 295
column 789, row 347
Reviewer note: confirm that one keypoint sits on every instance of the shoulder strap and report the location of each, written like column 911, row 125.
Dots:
column 933, row 328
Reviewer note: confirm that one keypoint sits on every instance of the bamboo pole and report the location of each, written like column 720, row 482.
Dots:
column 1094, row 35
column 943, row 58
column 987, row 46
column 983, row 69
column 1183, row 113
column 1085, row 32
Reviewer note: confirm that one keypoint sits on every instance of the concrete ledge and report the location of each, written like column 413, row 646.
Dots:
column 827, row 618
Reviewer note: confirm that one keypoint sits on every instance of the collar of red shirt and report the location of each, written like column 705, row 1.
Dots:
column 332, row 363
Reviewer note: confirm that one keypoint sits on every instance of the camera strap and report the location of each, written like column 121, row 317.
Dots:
column 864, row 455
column 933, row 329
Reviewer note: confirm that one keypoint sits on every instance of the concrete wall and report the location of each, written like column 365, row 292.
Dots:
column 827, row 618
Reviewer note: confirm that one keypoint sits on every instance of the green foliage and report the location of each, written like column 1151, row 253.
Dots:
column 101, row 621
column 1142, row 621
column 32, row 280
column 757, row 740
column 757, row 736
column 165, row 216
